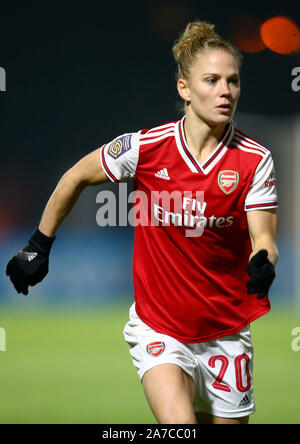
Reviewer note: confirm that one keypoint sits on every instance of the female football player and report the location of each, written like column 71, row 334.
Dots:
column 204, row 257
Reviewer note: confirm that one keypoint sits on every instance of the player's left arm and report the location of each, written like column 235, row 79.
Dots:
column 263, row 233
column 264, row 256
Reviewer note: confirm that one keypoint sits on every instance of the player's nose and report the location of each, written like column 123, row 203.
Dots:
column 224, row 89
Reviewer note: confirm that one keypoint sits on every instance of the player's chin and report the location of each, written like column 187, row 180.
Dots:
column 223, row 117
column 220, row 120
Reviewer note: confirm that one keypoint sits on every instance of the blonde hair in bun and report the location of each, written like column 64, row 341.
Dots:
column 197, row 37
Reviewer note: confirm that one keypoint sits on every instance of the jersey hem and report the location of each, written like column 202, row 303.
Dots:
column 261, row 206
column 186, row 340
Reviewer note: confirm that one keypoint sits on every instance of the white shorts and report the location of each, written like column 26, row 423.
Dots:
column 222, row 369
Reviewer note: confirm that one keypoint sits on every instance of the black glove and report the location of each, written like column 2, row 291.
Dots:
column 30, row 265
column 262, row 274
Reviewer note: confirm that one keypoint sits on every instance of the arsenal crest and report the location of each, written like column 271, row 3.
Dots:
column 228, row 180
column 155, row 348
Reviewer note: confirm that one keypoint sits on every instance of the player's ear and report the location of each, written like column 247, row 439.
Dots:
column 183, row 89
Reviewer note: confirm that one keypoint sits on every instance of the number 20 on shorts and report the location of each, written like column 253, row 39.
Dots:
column 217, row 384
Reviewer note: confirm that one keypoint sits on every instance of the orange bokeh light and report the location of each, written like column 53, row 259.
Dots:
column 245, row 34
column 281, row 35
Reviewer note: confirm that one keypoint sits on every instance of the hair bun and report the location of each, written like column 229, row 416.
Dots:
column 195, row 32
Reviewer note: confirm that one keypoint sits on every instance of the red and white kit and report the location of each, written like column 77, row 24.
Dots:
column 190, row 260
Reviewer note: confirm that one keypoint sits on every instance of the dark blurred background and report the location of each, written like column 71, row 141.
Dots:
column 76, row 79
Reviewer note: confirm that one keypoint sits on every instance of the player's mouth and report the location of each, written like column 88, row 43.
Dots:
column 224, row 107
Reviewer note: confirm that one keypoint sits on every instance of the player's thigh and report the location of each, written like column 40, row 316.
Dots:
column 166, row 368
column 205, row 418
column 170, row 392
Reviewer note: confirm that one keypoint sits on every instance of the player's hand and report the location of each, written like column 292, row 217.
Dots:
column 262, row 274
column 30, row 265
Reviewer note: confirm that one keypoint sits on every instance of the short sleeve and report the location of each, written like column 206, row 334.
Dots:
column 119, row 157
column 262, row 193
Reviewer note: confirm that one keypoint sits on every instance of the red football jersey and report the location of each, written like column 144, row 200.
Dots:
column 191, row 251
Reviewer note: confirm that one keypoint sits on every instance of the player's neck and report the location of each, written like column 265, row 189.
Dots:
column 202, row 139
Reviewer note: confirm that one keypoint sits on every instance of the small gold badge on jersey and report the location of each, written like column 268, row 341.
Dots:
column 228, row 180
column 119, row 146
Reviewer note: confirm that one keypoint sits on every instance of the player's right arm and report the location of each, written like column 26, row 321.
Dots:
column 115, row 161
column 30, row 265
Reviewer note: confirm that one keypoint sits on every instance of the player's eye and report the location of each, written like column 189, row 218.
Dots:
column 235, row 81
column 211, row 80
